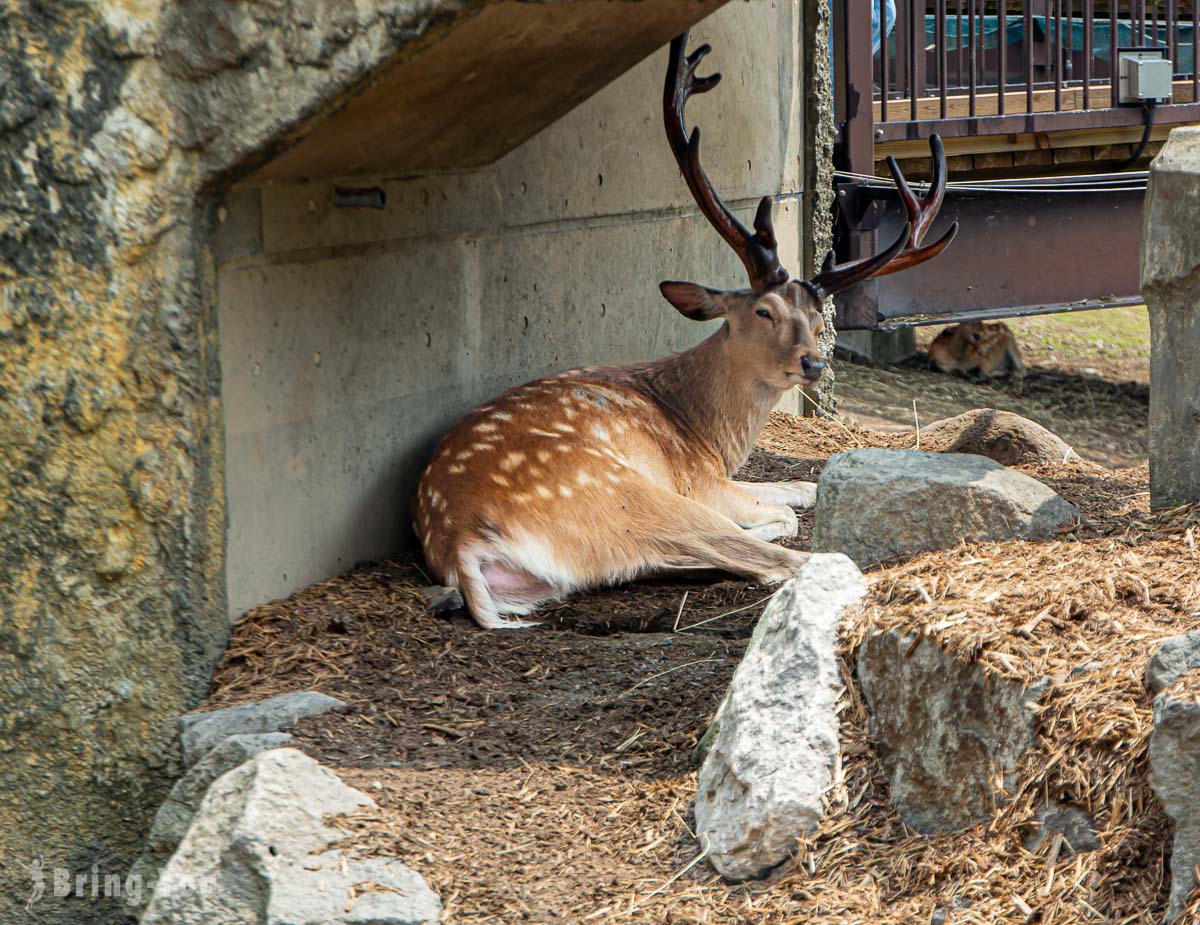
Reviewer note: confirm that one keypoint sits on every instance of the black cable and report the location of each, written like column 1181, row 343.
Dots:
column 1151, row 106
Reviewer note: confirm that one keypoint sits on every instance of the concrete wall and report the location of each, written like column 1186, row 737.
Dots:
column 352, row 338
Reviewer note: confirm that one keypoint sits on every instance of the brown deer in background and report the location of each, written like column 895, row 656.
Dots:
column 977, row 349
column 603, row 474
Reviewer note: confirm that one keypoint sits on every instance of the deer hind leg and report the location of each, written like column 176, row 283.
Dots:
column 491, row 589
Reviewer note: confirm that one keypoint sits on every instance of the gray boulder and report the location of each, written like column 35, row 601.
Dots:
column 1175, row 777
column 259, row 852
column 1074, row 823
column 175, row 814
column 1174, row 658
column 944, row 728
column 775, row 741
column 202, row 732
column 874, row 505
column 1008, row 438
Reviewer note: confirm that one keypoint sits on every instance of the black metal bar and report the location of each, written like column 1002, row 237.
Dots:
column 941, row 54
column 971, row 56
column 1058, row 55
column 1017, row 311
column 1033, row 123
column 958, row 41
column 1112, row 52
column 1048, row 45
column 1169, row 26
column 1088, row 24
column 980, row 44
column 915, row 44
column 1002, row 48
column 1029, row 55
column 883, row 61
column 1068, row 70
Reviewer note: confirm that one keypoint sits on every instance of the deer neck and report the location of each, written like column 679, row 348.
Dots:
column 712, row 397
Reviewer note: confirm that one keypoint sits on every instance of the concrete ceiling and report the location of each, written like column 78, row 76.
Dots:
column 489, row 82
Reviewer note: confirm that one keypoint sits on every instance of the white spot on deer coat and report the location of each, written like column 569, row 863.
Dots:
column 545, row 492
column 544, row 433
column 565, row 428
column 511, row 461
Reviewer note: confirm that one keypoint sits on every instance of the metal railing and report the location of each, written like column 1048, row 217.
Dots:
column 980, row 67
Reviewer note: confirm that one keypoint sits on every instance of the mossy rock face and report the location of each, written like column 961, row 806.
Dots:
column 112, row 609
column 704, row 746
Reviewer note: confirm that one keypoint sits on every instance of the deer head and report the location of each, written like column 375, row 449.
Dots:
column 775, row 323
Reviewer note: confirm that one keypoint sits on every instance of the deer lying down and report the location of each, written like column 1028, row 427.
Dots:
column 974, row 348
column 602, row 474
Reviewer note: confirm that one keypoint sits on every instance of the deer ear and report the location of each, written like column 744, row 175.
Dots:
column 692, row 301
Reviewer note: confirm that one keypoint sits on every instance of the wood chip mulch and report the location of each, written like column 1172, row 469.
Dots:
column 545, row 775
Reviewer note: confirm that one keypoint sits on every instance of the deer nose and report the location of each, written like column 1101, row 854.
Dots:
column 812, row 368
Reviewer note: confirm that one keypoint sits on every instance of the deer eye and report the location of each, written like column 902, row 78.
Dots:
column 763, row 313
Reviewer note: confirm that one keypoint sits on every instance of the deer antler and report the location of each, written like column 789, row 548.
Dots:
column 907, row 252
column 921, row 212
column 757, row 250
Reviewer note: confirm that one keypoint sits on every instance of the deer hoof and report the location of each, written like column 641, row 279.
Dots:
column 501, row 623
column 440, row 599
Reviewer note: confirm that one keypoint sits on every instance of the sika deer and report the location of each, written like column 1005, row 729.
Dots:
column 602, row 474
column 976, row 349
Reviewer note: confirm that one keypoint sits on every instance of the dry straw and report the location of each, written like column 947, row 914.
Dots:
column 603, row 834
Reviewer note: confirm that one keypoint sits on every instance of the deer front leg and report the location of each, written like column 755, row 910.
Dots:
column 689, row 534
column 800, row 495
column 757, row 514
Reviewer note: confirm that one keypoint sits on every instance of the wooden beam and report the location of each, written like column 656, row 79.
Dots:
column 1041, row 141
column 958, row 106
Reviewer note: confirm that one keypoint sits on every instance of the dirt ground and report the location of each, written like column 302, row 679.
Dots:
column 546, row 775
column 1089, row 382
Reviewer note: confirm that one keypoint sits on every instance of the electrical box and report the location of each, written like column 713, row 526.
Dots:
column 1145, row 74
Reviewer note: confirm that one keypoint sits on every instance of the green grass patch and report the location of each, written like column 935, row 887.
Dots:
column 1108, row 331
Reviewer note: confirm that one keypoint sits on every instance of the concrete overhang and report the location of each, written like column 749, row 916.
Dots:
column 483, row 82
